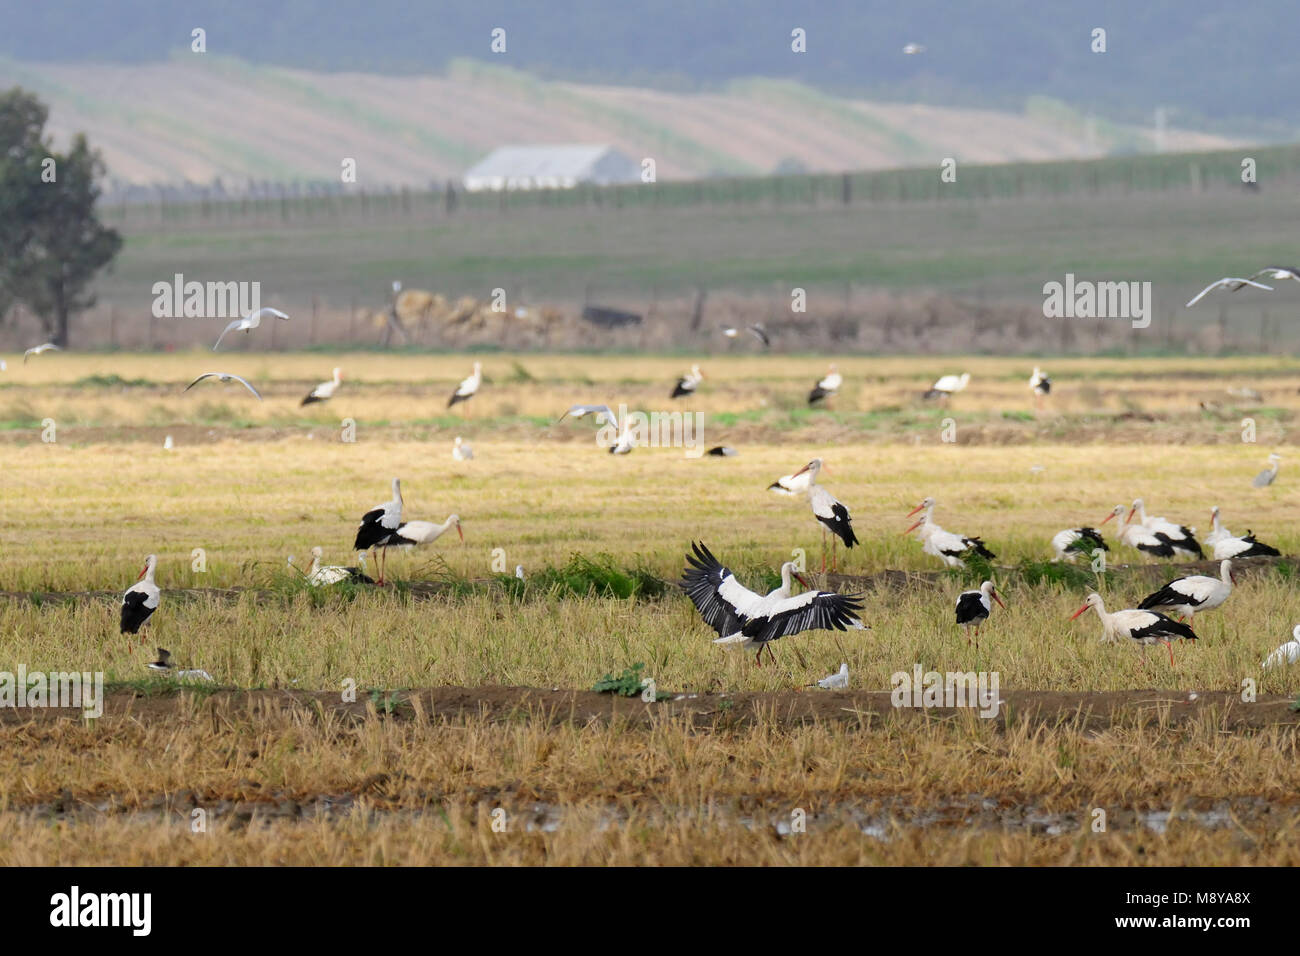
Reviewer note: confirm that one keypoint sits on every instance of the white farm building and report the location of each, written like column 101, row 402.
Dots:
column 551, row 167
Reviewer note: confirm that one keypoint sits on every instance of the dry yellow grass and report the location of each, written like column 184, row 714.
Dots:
column 249, row 486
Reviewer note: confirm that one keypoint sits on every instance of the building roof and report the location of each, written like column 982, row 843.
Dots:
column 554, row 166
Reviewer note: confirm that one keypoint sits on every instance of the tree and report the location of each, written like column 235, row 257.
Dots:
column 51, row 241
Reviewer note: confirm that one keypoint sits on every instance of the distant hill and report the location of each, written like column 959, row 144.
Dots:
column 202, row 118
column 1220, row 66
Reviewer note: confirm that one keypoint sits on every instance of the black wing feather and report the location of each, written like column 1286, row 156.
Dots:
column 701, row 582
column 827, row 611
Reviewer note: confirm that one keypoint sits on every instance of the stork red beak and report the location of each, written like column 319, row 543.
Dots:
column 914, row 510
column 911, row 529
column 994, row 595
column 801, row 471
column 1078, row 612
column 1108, row 517
column 459, row 532
column 142, row 572
column 1131, row 513
column 802, row 580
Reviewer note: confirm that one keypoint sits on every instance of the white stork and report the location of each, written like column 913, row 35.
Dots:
column 1279, row 273
column 38, row 349
column 1187, row 595
column 829, row 511
column 1040, row 385
column 1269, row 474
column 468, row 387
column 460, row 451
column 322, row 575
column 1144, row 627
column 828, row 386
column 948, row 385
column 226, row 378
column 325, row 390
column 974, row 607
column 164, row 664
column 742, row 617
column 1141, row 538
column 141, row 599
column 722, row 451
column 248, row 323
column 417, row 534
column 1070, row 543
column 688, row 383
column 1231, row 283
column 1288, row 653
column 1228, row 545
column 1181, row 538
column 379, row 524
column 948, row 547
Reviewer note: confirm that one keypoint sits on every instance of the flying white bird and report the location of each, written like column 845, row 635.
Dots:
column 912, row 49
column 974, row 607
column 248, row 323
column 602, row 414
column 468, row 386
column 948, row 385
column 379, row 524
column 1144, row 627
column 623, row 442
column 460, row 451
column 1188, row 595
column 837, row 681
column 1288, row 653
column 1230, row 283
column 1269, row 474
column 827, row 387
column 37, row 350
column 226, row 378
column 141, row 599
column 321, row 575
column 1280, row 273
column 325, row 390
column 741, row 617
column 164, row 664
column 688, row 383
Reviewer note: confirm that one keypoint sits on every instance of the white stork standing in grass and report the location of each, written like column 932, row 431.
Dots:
column 1185, row 596
column 321, row 575
column 974, row 607
column 460, row 451
column 1141, row 538
column 1231, row 283
column 141, row 599
column 827, row 387
column 1269, row 474
column 829, row 511
column 948, row 547
column 379, row 524
column 248, row 323
column 1288, row 653
column 1040, row 385
column 468, row 386
column 740, row 616
column 325, row 390
column 1181, row 538
column 947, row 386
column 1228, row 545
column 688, row 383
column 417, row 534
column 1072, row 542
column 1144, row 627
